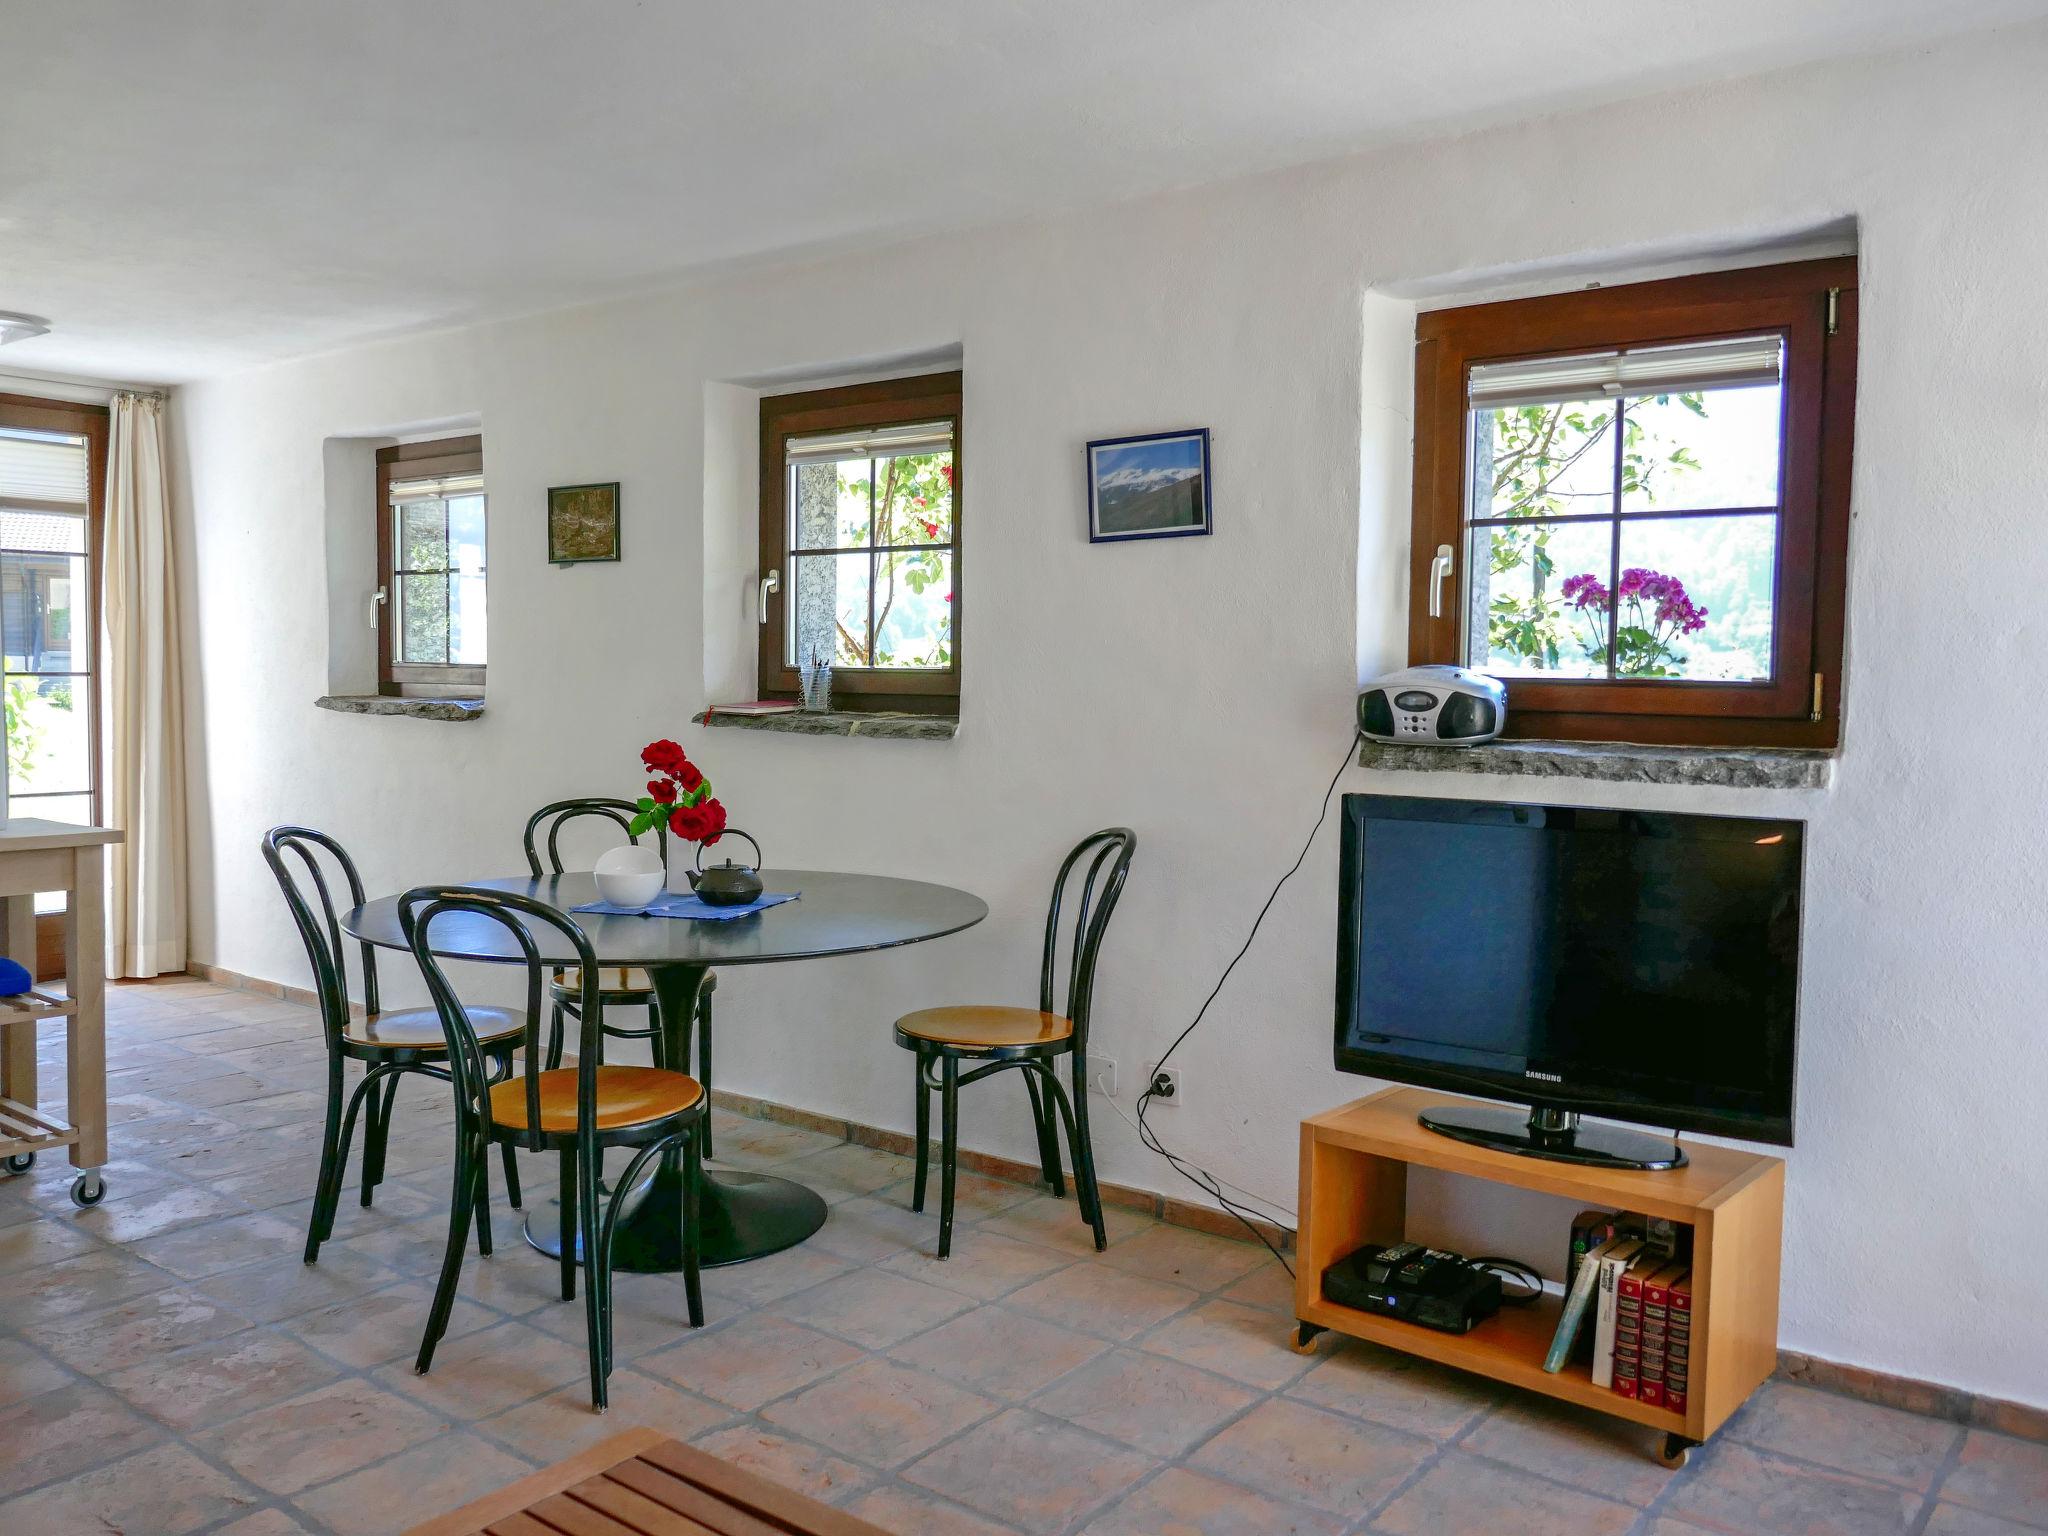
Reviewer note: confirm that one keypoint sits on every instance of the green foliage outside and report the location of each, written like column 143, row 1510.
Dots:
column 913, row 505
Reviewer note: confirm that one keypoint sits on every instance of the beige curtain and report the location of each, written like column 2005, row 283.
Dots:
column 145, row 716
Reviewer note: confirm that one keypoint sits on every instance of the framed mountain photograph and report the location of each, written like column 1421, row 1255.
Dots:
column 1152, row 487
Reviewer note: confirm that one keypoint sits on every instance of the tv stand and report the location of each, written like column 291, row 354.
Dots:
column 1355, row 1190
column 1555, row 1134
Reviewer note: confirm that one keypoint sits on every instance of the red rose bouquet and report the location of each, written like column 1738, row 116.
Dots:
column 678, row 796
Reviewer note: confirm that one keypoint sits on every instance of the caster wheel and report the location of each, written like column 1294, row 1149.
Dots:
column 88, row 1190
column 1304, row 1340
column 21, row 1162
column 1674, row 1452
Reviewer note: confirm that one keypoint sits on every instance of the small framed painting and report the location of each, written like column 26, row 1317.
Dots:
column 583, row 523
column 1153, row 487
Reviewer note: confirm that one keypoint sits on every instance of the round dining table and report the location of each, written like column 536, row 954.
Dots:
column 742, row 1215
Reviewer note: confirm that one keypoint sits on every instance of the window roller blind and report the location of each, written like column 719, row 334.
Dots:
column 44, row 471
column 431, row 487
column 877, row 443
column 1735, row 363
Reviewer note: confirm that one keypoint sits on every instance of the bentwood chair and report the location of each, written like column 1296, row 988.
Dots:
column 576, row 1111
column 619, row 986
column 1030, row 1040
column 388, row 1044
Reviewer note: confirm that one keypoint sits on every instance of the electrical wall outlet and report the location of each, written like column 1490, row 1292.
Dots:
column 1102, row 1075
column 1166, row 1086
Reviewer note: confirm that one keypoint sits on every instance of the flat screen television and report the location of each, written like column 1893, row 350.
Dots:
column 1635, row 965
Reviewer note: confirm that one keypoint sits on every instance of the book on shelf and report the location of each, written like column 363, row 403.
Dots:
column 1657, row 1332
column 1678, row 1342
column 1628, row 1328
column 1578, row 1304
column 1613, row 1264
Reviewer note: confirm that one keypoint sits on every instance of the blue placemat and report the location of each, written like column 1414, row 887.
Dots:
column 669, row 905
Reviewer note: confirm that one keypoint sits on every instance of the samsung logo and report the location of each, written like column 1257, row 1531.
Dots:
column 1548, row 1077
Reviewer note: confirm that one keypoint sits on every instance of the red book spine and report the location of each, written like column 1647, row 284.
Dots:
column 1628, row 1331
column 1678, row 1343
column 1656, row 1325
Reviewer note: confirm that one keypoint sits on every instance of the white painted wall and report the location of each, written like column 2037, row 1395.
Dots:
column 1201, row 689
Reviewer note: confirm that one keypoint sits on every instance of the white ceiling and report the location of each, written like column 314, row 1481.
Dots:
column 192, row 186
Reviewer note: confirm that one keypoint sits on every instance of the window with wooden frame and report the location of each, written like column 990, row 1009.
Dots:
column 53, row 477
column 860, row 543
column 1632, row 505
column 431, row 516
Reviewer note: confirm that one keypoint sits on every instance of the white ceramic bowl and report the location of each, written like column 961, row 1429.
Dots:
column 629, row 875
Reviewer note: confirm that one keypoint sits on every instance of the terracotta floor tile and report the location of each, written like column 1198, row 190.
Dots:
column 1106, row 1302
column 88, row 1283
column 985, row 1268
column 751, row 1361
column 1269, row 1286
column 863, row 1230
column 381, row 1326
column 760, row 1281
column 997, row 1350
column 128, row 1216
column 33, row 1244
column 1247, row 1344
column 1193, row 1259
column 1464, row 1493
column 222, row 1378
column 490, row 1370
column 163, row 1492
column 974, row 1197
column 1954, row 1520
column 1145, row 1401
column 1850, row 1436
column 290, row 1446
column 24, row 1372
column 562, row 1423
column 848, row 1166
column 288, row 1286
column 191, row 1253
column 880, row 1412
column 1999, row 1475
column 649, row 1312
column 1191, row 1504
column 895, row 1507
column 1039, row 1474
column 441, row 1475
column 147, row 1328
column 268, row 1522
column 60, row 1433
column 1399, row 1390
column 763, row 1143
column 1732, row 1488
column 874, row 1308
column 787, row 1461
column 1057, row 1224
column 1305, row 1456
column 1573, row 1445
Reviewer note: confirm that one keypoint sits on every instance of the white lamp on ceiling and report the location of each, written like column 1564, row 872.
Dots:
column 15, row 327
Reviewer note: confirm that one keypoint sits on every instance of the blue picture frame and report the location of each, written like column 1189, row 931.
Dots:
column 1154, row 486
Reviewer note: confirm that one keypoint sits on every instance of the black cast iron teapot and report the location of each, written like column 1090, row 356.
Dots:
column 728, row 884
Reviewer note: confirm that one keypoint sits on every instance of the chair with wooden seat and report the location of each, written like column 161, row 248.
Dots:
column 619, row 986
column 994, row 1039
column 388, row 1044
column 577, row 1112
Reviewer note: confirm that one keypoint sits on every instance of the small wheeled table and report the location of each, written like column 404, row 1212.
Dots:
column 37, row 856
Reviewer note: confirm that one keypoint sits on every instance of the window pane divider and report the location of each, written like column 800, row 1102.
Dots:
column 1604, row 517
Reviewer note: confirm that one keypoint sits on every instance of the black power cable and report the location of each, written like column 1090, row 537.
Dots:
column 1196, row 1175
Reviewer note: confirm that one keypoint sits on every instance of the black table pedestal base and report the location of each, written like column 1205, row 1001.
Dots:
column 744, row 1215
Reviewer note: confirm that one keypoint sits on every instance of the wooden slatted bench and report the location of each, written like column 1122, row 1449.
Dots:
column 642, row 1483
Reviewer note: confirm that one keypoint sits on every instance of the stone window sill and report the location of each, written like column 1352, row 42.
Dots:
column 417, row 709
column 844, row 723
column 1714, row 767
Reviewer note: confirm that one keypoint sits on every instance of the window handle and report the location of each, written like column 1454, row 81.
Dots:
column 772, row 582
column 377, row 600
column 1439, row 568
